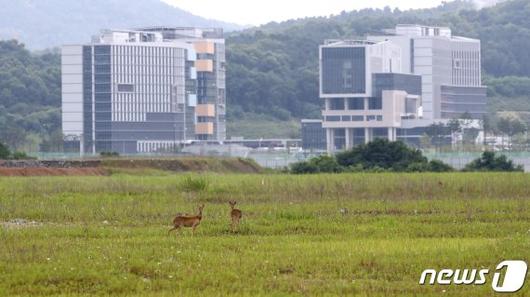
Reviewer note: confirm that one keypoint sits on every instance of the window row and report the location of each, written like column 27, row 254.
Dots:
column 370, row 118
column 355, row 104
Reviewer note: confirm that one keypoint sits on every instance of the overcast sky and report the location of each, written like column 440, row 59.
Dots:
column 256, row 12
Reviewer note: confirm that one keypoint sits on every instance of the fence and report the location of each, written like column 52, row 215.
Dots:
column 278, row 160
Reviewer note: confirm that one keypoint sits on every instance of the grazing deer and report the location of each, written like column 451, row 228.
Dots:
column 236, row 215
column 188, row 221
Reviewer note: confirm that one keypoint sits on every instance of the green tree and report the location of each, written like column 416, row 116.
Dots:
column 5, row 153
column 381, row 153
column 490, row 162
column 511, row 126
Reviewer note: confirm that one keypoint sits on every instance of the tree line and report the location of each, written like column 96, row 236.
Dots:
column 382, row 155
column 272, row 70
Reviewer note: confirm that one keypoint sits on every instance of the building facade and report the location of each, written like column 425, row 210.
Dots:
column 365, row 96
column 313, row 135
column 209, row 44
column 450, row 67
column 144, row 91
column 396, row 85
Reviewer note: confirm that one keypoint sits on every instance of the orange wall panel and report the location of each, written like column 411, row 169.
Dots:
column 204, row 47
column 204, row 128
column 204, row 65
column 205, row 110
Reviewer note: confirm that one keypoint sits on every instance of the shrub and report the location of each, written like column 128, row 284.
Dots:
column 418, row 167
column 322, row 164
column 383, row 154
column 379, row 155
column 21, row 156
column 109, row 154
column 303, row 168
column 5, row 153
column 490, row 162
column 439, row 166
column 432, row 166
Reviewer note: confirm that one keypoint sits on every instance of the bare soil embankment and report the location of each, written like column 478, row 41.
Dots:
column 98, row 167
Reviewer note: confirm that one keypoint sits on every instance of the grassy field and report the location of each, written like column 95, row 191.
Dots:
column 322, row 235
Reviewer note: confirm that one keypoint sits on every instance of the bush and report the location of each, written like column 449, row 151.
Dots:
column 304, row 168
column 490, row 162
column 322, row 164
column 109, row 154
column 379, row 155
column 432, row 166
column 383, row 154
column 439, row 166
column 21, row 156
column 5, row 153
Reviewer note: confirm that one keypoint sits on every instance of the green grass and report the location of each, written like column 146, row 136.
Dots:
column 108, row 235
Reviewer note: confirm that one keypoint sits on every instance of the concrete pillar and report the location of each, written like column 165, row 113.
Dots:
column 391, row 134
column 367, row 135
column 330, row 140
column 349, row 143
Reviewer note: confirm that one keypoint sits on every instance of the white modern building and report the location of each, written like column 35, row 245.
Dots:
column 395, row 85
column 450, row 67
column 209, row 45
column 140, row 91
column 365, row 95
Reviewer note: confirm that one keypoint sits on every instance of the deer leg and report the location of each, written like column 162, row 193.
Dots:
column 172, row 229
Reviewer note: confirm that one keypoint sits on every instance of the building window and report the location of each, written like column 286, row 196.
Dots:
column 340, row 139
column 343, row 70
column 381, row 133
column 128, row 88
column 346, row 118
column 357, row 118
column 370, row 118
column 379, row 118
column 336, row 104
column 375, row 103
column 356, row 104
column 333, row 118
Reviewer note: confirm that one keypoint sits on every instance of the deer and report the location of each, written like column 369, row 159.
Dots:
column 235, row 214
column 187, row 221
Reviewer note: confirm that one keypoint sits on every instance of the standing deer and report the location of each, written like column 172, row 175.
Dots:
column 188, row 221
column 236, row 215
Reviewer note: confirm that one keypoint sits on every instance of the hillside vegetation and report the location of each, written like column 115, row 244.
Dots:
column 322, row 235
column 49, row 23
column 272, row 70
column 285, row 55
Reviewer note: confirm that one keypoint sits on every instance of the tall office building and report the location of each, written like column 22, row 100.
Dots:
column 450, row 67
column 144, row 91
column 209, row 44
column 128, row 92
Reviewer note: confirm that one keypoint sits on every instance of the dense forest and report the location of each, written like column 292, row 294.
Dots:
column 273, row 69
column 280, row 61
column 30, row 97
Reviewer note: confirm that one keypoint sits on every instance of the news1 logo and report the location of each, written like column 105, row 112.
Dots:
column 509, row 276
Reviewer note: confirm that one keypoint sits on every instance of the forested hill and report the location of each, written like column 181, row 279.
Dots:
column 50, row 23
column 274, row 68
